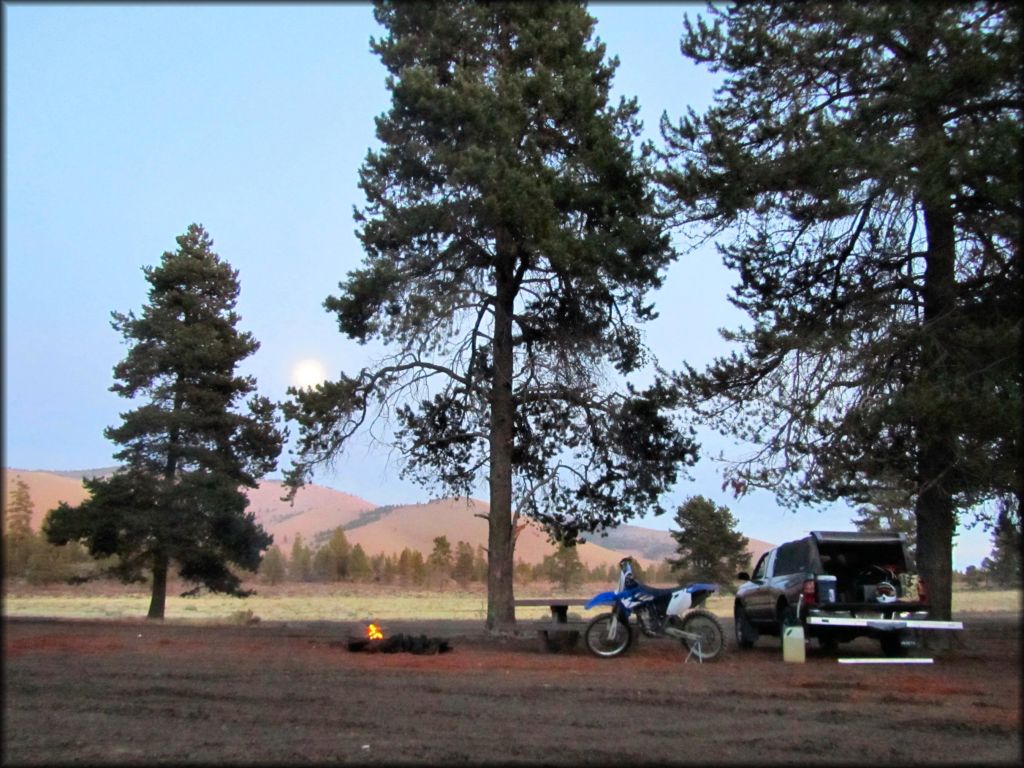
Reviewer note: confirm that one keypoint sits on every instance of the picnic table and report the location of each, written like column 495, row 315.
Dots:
column 556, row 633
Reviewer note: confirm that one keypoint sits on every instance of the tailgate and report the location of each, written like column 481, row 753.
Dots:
column 882, row 622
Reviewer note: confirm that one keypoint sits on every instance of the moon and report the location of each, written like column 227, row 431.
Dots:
column 308, row 373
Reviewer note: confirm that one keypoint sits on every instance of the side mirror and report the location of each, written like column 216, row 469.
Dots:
column 743, row 576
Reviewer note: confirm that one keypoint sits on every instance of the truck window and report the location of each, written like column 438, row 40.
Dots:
column 793, row 557
column 762, row 566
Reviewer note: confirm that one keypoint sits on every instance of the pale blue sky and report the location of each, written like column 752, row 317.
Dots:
column 126, row 123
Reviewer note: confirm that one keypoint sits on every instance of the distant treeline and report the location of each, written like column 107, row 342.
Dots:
column 28, row 556
column 337, row 561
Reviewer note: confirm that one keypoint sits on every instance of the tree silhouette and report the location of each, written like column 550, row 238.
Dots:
column 18, row 537
column 273, row 569
column 564, row 567
column 863, row 160
column 511, row 236
column 187, row 451
column 1004, row 564
column 708, row 544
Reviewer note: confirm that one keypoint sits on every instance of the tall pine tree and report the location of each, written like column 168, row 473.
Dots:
column 187, row 451
column 864, row 161
column 511, row 236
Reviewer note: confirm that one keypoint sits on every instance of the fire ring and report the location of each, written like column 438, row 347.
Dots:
column 373, row 640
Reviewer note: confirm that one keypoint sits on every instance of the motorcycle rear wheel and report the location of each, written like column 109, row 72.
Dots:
column 597, row 636
column 707, row 627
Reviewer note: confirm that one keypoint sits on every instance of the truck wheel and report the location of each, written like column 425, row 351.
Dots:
column 746, row 635
column 786, row 616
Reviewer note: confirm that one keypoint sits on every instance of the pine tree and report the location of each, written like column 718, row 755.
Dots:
column 523, row 572
column 418, row 568
column 973, row 575
column 865, row 161
column 359, row 567
column 564, row 567
column 274, row 567
column 187, row 451
column 322, row 565
column 439, row 563
column 480, row 564
column 390, row 569
column 18, row 508
column 300, row 562
column 1004, row 564
column 337, row 552
column 511, row 236
column 888, row 510
column 384, row 567
column 405, row 566
column 462, row 569
column 707, row 542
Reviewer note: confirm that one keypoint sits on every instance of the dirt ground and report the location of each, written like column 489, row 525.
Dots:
column 140, row 692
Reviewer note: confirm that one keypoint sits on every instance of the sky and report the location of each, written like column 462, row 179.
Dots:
column 124, row 124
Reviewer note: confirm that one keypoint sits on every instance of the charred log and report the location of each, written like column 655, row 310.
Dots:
column 401, row 643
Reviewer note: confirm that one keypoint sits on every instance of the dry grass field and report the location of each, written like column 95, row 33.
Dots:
column 342, row 602
column 284, row 602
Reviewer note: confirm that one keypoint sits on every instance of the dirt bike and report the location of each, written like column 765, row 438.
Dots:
column 672, row 613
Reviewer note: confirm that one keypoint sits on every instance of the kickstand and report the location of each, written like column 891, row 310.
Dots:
column 695, row 647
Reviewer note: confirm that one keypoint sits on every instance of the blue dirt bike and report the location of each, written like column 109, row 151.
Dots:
column 672, row 613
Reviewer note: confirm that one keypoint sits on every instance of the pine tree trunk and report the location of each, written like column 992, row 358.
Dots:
column 160, row 558
column 936, row 522
column 500, row 596
column 159, row 594
column 936, row 515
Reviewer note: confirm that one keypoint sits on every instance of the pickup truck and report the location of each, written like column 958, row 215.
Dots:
column 839, row 586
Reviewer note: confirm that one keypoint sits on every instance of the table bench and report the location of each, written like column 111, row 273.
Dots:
column 558, row 633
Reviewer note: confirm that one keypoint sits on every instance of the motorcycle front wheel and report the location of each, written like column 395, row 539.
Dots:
column 599, row 640
column 707, row 628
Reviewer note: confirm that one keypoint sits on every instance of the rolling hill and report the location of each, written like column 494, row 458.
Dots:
column 415, row 527
column 315, row 510
column 658, row 545
column 318, row 510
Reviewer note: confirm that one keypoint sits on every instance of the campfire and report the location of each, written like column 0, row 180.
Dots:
column 372, row 640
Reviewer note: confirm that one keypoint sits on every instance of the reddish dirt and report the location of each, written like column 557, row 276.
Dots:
column 140, row 692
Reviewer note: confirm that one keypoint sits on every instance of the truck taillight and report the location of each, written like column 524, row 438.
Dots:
column 810, row 592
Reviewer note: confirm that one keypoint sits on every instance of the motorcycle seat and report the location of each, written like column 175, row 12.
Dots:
column 658, row 591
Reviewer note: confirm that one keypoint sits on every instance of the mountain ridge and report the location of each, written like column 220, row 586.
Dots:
column 317, row 510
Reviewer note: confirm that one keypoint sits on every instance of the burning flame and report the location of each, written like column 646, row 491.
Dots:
column 373, row 632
